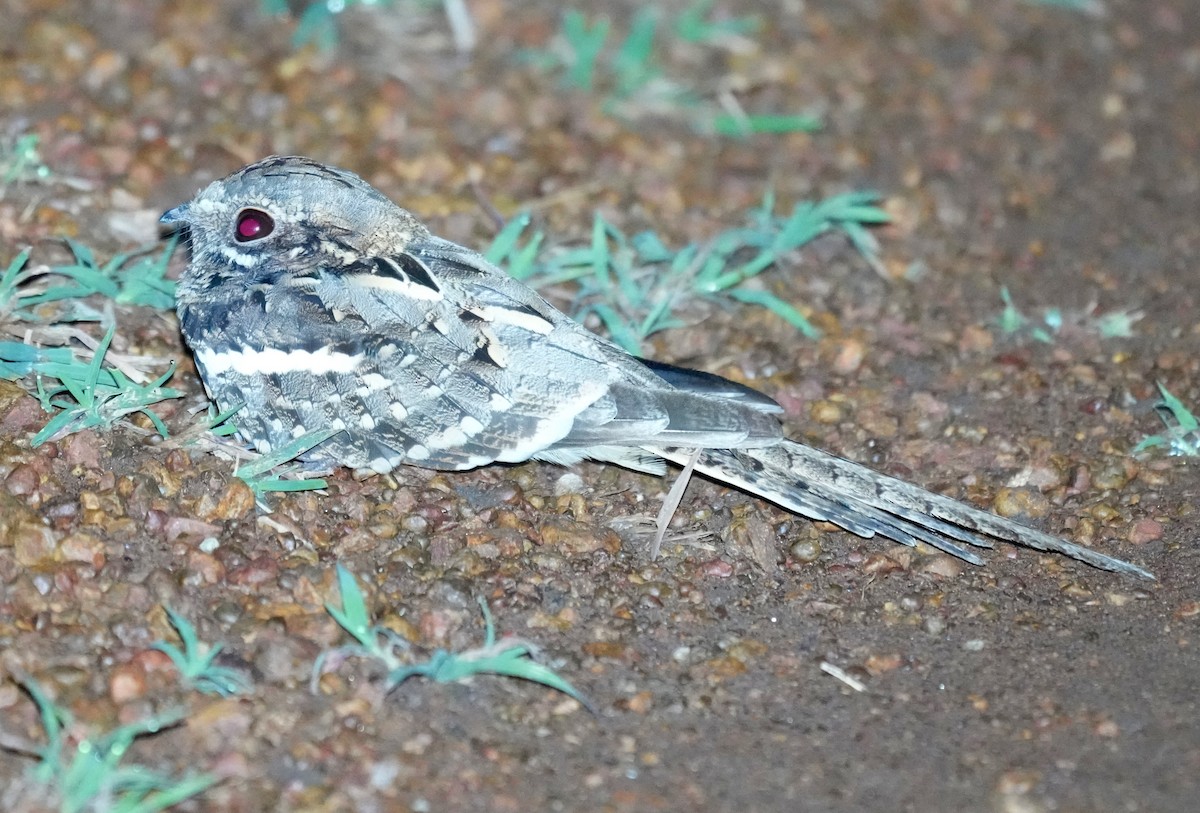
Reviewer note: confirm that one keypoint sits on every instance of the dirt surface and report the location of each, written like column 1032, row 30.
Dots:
column 1018, row 145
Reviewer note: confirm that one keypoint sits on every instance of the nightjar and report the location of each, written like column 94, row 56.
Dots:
column 317, row 303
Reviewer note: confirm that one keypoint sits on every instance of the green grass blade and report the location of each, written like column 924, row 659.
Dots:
column 620, row 331
column 352, row 616
column 778, row 307
column 254, row 469
column 586, row 42
column 505, row 242
column 742, row 126
column 633, row 63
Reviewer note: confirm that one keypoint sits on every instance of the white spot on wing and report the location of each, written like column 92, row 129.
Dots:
column 521, row 319
column 496, row 351
column 272, row 360
column 382, row 465
column 397, row 411
column 447, row 438
column 367, row 422
column 373, row 382
column 392, row 285
column 551, row 429
column 418, row 452
column 470, row 425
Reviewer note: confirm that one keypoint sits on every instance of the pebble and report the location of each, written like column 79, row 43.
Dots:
column 826, row 412
column 1145, row 530
column 127, row 682
column 33, row 544
column 805, row 550
column 1020, row 502
column 82, row 547
column 236, row 502
column 578, row 538
column 569, row 483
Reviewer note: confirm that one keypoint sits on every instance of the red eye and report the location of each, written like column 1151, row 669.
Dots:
column 253, row 224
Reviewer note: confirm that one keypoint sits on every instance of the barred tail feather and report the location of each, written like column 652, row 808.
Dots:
column 825, row 487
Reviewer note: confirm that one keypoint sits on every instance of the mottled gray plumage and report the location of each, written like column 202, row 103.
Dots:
column 318, row 303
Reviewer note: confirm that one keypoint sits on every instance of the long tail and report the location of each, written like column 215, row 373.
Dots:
column 822, row 486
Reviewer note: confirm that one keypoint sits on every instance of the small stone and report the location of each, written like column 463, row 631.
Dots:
column 612, row 650
column 1112, row 475
column 879, row 664
column 415, row 523
column 82, row 547
column 976, row 339
column 715, row 568
column 1103, row 512
column 569, row 483
column 33, row 544
column 849, row 356
column 202, row 568
column 826, row 412
column 258, row 571
column 882, row 563
column 188, row 528
column 235, row 502
column 723, row 668
column 1020, row 502
column 127, row 682
column 577, row 538
column 23, row 481
column 435, row 627
column 81, row 449
column 1145, row 530
column 943, row 565
column 805, row 550
column 640, row 703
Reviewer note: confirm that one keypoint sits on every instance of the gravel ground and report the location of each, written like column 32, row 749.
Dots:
column 1047, row 150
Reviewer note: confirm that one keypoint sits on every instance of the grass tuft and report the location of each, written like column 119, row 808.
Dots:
column 137, row 277
column 625, row 70
column 89, row 775
column 91, row 395
column 1055, row 321
column 318, row 21
column 509, row 657
column 42, row 303
column 1182, row 437
column 21, row 162
column 272, row 472
column 636, row 285
column 195, row 661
